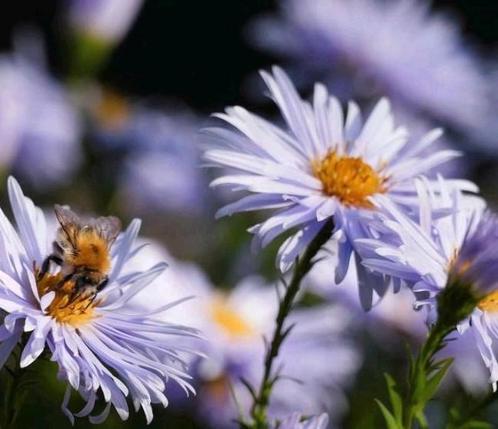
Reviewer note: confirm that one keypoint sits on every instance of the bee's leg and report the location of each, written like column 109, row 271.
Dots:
column 46, row 264
column 65, row 279
column 103, row 284
column 76, row 292
column 90, row 302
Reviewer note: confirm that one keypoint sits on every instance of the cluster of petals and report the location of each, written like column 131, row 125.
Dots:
column 119, row 353
column 275, row 168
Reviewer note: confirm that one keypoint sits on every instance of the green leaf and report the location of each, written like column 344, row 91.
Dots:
column 396, row 401
column 433, row 383
column 389, row 418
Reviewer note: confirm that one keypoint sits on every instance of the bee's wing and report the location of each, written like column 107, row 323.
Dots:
column 69, row 222
column 109, row 227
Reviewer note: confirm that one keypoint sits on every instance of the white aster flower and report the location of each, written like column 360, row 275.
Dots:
column 325, row 165
column 102, row 347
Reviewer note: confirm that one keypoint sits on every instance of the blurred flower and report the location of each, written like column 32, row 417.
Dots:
column 98, row 344
column 39, row 127
column 322, row 167
column 157, row 154
column 372, row 47
column 295, row 421
column 234, row 323
column 442, row 257
column 105, row 20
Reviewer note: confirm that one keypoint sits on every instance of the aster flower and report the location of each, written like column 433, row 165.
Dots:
column 443, row 257
column 323, row 166
column 295, row 421
column 393, row 321
column 145, row 142
column 398, row 48
column 104, row 20
column 102, row 347
column 234, row 322
column 39, row 127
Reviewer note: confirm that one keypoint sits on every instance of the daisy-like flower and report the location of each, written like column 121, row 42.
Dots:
column 143, row 142
column 393, row 321
column 325, row 165
column 234, row 323
column 296, row 421
column 444, row 259
column 103, row 347
column 39, row 127
column 367, row 47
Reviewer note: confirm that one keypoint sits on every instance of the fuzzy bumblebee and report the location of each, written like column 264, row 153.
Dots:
column 82, row 250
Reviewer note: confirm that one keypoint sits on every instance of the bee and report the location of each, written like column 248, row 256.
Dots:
column 82, row 251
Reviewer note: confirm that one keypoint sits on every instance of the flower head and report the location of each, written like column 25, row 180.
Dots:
column 147, row 142
column 39, row 127
column 448, row 257
column 325, row 165
column 101, row 345
column 234, row 323
column 367, row 47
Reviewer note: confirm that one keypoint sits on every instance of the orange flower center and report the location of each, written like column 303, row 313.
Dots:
column 65, row 307
column 349, row 179
column 489, row 303
column 232, row 323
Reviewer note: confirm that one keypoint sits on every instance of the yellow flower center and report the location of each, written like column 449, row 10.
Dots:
column 76, row 313
column 112, row 111
column 489, row 303
column 231, row 322
column 349, row 179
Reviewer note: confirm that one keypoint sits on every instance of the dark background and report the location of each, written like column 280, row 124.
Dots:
column 196, row 50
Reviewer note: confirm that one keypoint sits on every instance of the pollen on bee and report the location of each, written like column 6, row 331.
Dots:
column 75, row 313
column 349, row 179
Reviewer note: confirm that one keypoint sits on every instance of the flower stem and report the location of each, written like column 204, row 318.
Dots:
column 302, row 267
column 11, row 389
column 425, row 375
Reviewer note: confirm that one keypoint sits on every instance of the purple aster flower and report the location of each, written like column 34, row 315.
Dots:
column 102, row 347
column 398, row 48
column 325, row 165
column 234, row 322
column 156, row 152
column 442, row 251
column 393, row 320
column 105, row 20
column 39, row 127
column 296, row 421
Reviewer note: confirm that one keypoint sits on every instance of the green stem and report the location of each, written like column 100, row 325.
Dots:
column 420, row 373
column 302, row 267
column 11, row 389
